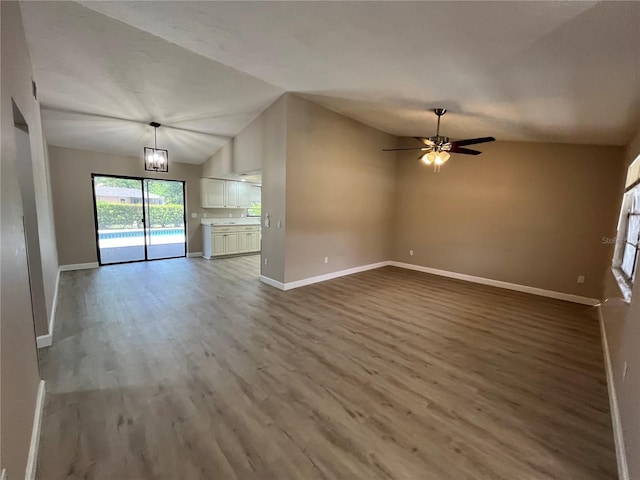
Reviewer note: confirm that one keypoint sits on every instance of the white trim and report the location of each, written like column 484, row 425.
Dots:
column 3, row 475
column 194, row 254
column 43, row 341
column 332, row 275
column 272, row 282
column 618, row 438
column 500, row 284
column 78, row 266
column 47, row 340
column 32, row 460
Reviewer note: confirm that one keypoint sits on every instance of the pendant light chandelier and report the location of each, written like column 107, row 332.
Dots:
column 156, row 159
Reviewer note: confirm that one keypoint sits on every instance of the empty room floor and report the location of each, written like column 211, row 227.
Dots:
column 193, row 369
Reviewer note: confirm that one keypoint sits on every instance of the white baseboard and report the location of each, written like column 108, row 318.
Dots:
column 272, row 282
column 44, row 341
column 32, row 460
column 500, row 284
column 443, row 273
column 194, row 254
column 332, row 275
column 618, row 438
column 78, row 266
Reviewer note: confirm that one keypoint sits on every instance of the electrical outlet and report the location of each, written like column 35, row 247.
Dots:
column 266, row 261
column 580, row 278
column 624, row 370
column 204, row 215
column 411, row 252
column 194, row 215
column 279, row 224
column 231, row 215
column 326, row 259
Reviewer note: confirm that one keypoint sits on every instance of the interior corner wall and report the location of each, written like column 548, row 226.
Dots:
column 534, row 214
column 19, row 376
column 266, row 136
column 220, row 163
column 339, row 192
column 71, row 171
column 622, row 324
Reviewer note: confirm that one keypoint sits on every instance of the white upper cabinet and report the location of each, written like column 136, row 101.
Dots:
column 212, row 193
column 244, row 189
column 217, row 193
column 232, row 194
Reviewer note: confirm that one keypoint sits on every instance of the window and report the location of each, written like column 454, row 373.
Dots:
column 627, row 248
column 255, row 201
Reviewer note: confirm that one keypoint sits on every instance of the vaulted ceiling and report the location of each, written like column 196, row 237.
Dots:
column 564, row 72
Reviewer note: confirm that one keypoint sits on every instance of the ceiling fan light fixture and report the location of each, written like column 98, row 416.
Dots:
column 437, row 148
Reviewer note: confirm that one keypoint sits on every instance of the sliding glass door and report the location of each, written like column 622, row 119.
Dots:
column 164, row 213
column 138, row 219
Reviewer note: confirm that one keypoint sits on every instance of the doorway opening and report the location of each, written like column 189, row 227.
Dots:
column 26, row 183
column 138, row 219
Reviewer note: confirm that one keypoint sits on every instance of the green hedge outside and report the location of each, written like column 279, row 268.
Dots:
column 127, row 215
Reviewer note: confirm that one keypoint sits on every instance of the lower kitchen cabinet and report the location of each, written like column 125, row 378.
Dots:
column 230, row 239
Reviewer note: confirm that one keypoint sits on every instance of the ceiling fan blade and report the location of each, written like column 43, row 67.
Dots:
column 466, row 151
column 427, row 141
column 473, row 141
column 411, row 148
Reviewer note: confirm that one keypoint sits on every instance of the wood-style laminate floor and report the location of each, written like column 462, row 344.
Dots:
column 192, row 369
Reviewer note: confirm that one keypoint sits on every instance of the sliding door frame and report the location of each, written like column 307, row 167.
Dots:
column 144, row 216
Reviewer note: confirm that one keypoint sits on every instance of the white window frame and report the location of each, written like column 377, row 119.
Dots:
column 630, row 208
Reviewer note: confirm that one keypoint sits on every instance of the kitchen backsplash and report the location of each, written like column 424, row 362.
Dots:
column 224, row 213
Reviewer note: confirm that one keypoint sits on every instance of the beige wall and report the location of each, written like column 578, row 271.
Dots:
column 73, row 199
column 220, row 163
column 340, row 190
column 271, row 139
column 249, row 145
column 622, row 323
column 18, row 360
column 527, row 213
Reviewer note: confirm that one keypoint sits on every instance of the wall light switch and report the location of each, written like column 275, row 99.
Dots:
column 580, row 278
column 411, row 252
column 279, row 224
column 326, row 259
column 266, row 261
column 194, row 215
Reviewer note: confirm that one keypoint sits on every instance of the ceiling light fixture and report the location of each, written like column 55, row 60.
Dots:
column 156, row 159
column 435, row 158
column 436, row 149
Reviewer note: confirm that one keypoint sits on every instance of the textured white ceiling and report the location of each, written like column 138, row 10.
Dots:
column 101, row 82
column 538, row 71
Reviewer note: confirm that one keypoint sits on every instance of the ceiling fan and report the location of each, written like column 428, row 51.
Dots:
column 436, row 149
